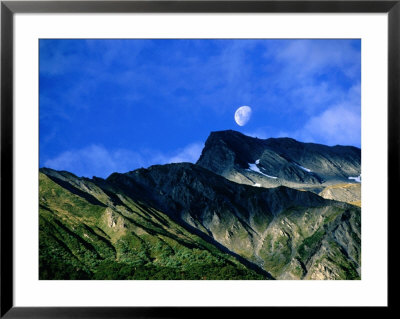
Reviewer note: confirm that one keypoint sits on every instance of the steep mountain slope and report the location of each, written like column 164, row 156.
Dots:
column 279, row 161
column 291, row 234
column 201, row 221
column 88, row 233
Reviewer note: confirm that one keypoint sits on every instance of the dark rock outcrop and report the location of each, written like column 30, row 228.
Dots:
column 278, row 161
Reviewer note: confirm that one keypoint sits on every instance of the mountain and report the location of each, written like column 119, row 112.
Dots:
column 87, row 232
column 291, row 234
column 248, row 209
column 279, row 161
column 184, row 221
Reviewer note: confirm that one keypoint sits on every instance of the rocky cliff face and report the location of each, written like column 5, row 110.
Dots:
column 279, row 161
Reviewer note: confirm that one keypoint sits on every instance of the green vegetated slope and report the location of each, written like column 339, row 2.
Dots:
column 181, row 221
column 313, row 243
column 87, row 233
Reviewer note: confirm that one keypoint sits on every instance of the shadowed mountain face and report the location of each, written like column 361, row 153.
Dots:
column 279, row 161
column 252, row 232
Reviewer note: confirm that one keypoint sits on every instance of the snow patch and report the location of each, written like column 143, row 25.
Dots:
column 257, row 185
column 303, row 168
column 257, row 161
column 254, row 168
column 356, row 178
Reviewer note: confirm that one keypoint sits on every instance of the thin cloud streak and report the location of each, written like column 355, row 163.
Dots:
column 96, row 160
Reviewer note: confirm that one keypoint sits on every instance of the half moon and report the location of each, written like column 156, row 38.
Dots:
column 242, row 115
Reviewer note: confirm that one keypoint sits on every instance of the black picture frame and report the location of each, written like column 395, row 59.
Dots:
column 9, row 8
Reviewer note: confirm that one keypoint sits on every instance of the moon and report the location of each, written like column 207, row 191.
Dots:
column 242, row 115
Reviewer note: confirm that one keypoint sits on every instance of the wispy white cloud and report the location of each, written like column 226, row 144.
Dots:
column 96, row 160
column 308, row 85
column 338, row 123
column 311, row 73
column 58, row 58
column 190, row 153
column 304, row 59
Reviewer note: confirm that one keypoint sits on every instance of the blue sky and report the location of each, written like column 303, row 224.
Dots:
column 117, row 105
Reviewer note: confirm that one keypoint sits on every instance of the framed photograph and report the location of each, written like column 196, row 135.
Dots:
column 165, row 157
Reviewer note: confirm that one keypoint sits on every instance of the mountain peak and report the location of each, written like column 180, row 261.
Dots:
column 223, row 133
column 278, row 161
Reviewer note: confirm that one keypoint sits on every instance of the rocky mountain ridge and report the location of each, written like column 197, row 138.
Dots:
column 279, row 161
